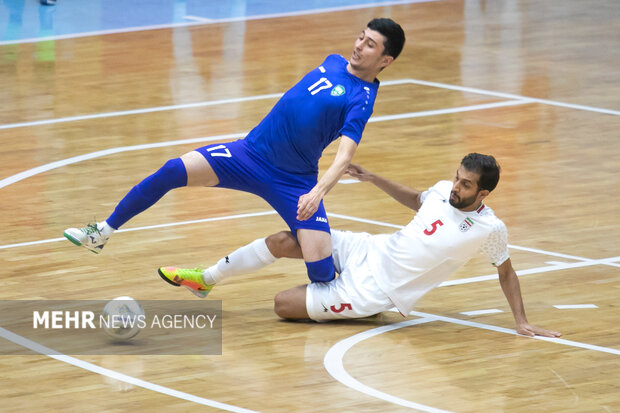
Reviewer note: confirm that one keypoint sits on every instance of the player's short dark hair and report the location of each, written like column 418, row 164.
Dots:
column 486, row 166
column 394, row 35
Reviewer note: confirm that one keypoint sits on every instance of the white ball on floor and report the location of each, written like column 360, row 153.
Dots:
column 122, row 318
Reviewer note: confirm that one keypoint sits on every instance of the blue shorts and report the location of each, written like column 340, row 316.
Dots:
column 238, row 167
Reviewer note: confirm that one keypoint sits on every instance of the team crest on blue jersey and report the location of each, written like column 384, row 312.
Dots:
column 338, row 90
column 466, row 225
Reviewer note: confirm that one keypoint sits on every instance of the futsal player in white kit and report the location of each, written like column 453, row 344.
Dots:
column 379, row 272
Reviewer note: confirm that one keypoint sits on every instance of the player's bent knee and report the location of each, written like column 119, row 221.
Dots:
column 279, row 305
column 283, row 245
column 284, row 306
column 291, row 304
column 199, row 171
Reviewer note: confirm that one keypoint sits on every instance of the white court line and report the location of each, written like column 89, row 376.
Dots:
column 448, row 110
column 164, row 108
column 166, row 225
column 315, row 11
column 38, row 348
column 555, row 267
column 585, row 262
column 570, row 343
column 366, row 221
column 139, row 111
column 105, row 152
column 333, row 360
column 335, row 367
column 518, row 97
column 482, row 312
column 199, row 21
column 529, row 271
column 348, row 181
column 554, row 254
column 574, row 306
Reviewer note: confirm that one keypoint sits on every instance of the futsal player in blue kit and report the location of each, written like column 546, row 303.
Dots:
column 278, row 159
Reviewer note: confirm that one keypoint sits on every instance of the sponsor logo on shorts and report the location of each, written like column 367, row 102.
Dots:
column 321, row 219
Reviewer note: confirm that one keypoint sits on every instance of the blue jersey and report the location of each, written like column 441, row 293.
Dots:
column 326, row 103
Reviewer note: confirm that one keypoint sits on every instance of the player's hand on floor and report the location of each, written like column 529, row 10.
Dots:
column 307, row 205
column 530, row 330
column 358, row 172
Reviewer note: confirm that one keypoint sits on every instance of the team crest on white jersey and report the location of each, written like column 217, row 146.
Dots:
column 321, row 219
column 466, row 225
column 338, row 90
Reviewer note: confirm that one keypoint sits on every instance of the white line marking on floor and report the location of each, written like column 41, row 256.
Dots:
column 333, row 360
column 38, row 348
column 513, row 332
column 585, row 263
column 105, row 152
column 205, row 21
column 334, row 365
column 169, row 224
column 517, row 97
column 447, row 111
column 181, row 106
column 574, row 306
column 139, row 111
column 367, row 221
column 198, row 19
column 481, row 312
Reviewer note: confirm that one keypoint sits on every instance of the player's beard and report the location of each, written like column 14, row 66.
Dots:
column 462, row 203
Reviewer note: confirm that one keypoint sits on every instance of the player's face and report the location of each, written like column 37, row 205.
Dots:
column 465, row 194
column 368, row 52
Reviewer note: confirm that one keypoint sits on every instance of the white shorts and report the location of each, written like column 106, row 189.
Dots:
column 353, row 294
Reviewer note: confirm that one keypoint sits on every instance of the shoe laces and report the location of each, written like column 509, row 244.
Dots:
column 92, row 228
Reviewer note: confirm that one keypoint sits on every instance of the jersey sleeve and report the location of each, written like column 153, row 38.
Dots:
column 358, row 113
column 423, row 196
column 496, row 245
column 442, row 188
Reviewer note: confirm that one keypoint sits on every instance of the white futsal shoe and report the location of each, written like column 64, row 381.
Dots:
column 89, row 237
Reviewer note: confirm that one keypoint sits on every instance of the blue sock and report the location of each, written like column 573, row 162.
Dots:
column 321, row 271
column 150, row 190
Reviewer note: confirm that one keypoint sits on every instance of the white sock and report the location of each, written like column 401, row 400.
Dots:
column 105, row 229
column 251, row 257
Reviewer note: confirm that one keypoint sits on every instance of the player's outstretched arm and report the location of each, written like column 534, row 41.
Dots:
column 512, row 290
column 309, row 203
column 409, row 197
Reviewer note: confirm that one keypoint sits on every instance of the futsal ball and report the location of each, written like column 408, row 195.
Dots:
column 123, row 318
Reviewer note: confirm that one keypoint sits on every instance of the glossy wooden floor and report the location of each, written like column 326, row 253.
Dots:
column 558, row 195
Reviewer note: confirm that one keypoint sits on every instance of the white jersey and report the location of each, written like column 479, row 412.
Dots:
column 439, row 239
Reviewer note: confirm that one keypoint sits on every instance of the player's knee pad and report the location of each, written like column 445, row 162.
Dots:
column 321, row 271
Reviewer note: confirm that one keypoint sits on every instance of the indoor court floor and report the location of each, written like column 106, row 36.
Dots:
column 99, row 94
